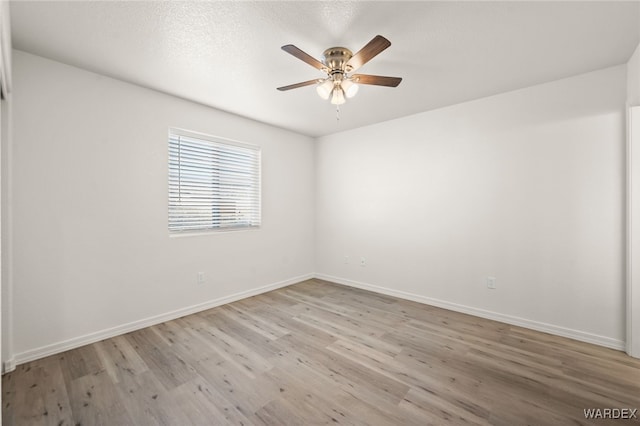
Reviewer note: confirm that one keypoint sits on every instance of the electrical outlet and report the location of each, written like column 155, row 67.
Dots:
column 346, row 260
column 200, row 277
column 491, row 283
column 363, row 261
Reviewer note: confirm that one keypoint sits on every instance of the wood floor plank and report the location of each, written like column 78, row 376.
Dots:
column 45, row 400
column 119, row 358
column 168, row 366
column 440, row 410
column 253, row 322
column 255, row 342
column 246, row 394
column 233, row 350
column 80, row 362
column 95, row 400
column 146, row 400
column 278, row 412
column 205, row 405
column 342, row 372
column 318, row 353
column 335, row 327
column 303, row 392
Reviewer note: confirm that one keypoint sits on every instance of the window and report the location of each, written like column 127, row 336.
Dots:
column 214, row 184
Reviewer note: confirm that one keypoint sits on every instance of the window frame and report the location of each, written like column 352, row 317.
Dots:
column 219, row 141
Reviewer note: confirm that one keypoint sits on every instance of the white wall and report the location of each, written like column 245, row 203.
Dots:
column 92, row 252
column 527, row 187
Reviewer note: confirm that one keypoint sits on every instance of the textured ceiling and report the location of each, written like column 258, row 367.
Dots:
column 227, row 54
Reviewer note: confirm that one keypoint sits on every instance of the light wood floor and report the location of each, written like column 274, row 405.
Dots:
column 318, row 353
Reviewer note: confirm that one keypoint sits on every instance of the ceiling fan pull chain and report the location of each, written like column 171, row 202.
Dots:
column 337, row 112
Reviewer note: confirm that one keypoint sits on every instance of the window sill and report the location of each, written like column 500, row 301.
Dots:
column 212, row 232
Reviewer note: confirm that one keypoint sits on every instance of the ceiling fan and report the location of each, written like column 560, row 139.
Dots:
column 338, row 63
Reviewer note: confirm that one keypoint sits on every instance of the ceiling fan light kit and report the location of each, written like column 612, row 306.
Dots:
column 338, row 63
column 337, row 96
column 324, row 88
column 350, row 88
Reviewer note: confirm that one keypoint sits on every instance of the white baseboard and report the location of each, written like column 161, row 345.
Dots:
column 47, row 350
column 43, row 351
column 508, row 319
column 8, row 366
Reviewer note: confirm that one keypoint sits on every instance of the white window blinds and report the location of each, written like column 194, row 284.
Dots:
column 213, row 184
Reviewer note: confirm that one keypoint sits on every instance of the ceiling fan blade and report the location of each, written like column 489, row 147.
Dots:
column 364, row 55
column 290, row 48
column 295, row 86
column 376, row 80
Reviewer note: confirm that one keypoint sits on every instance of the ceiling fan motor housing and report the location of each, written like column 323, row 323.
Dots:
column 336, row 58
